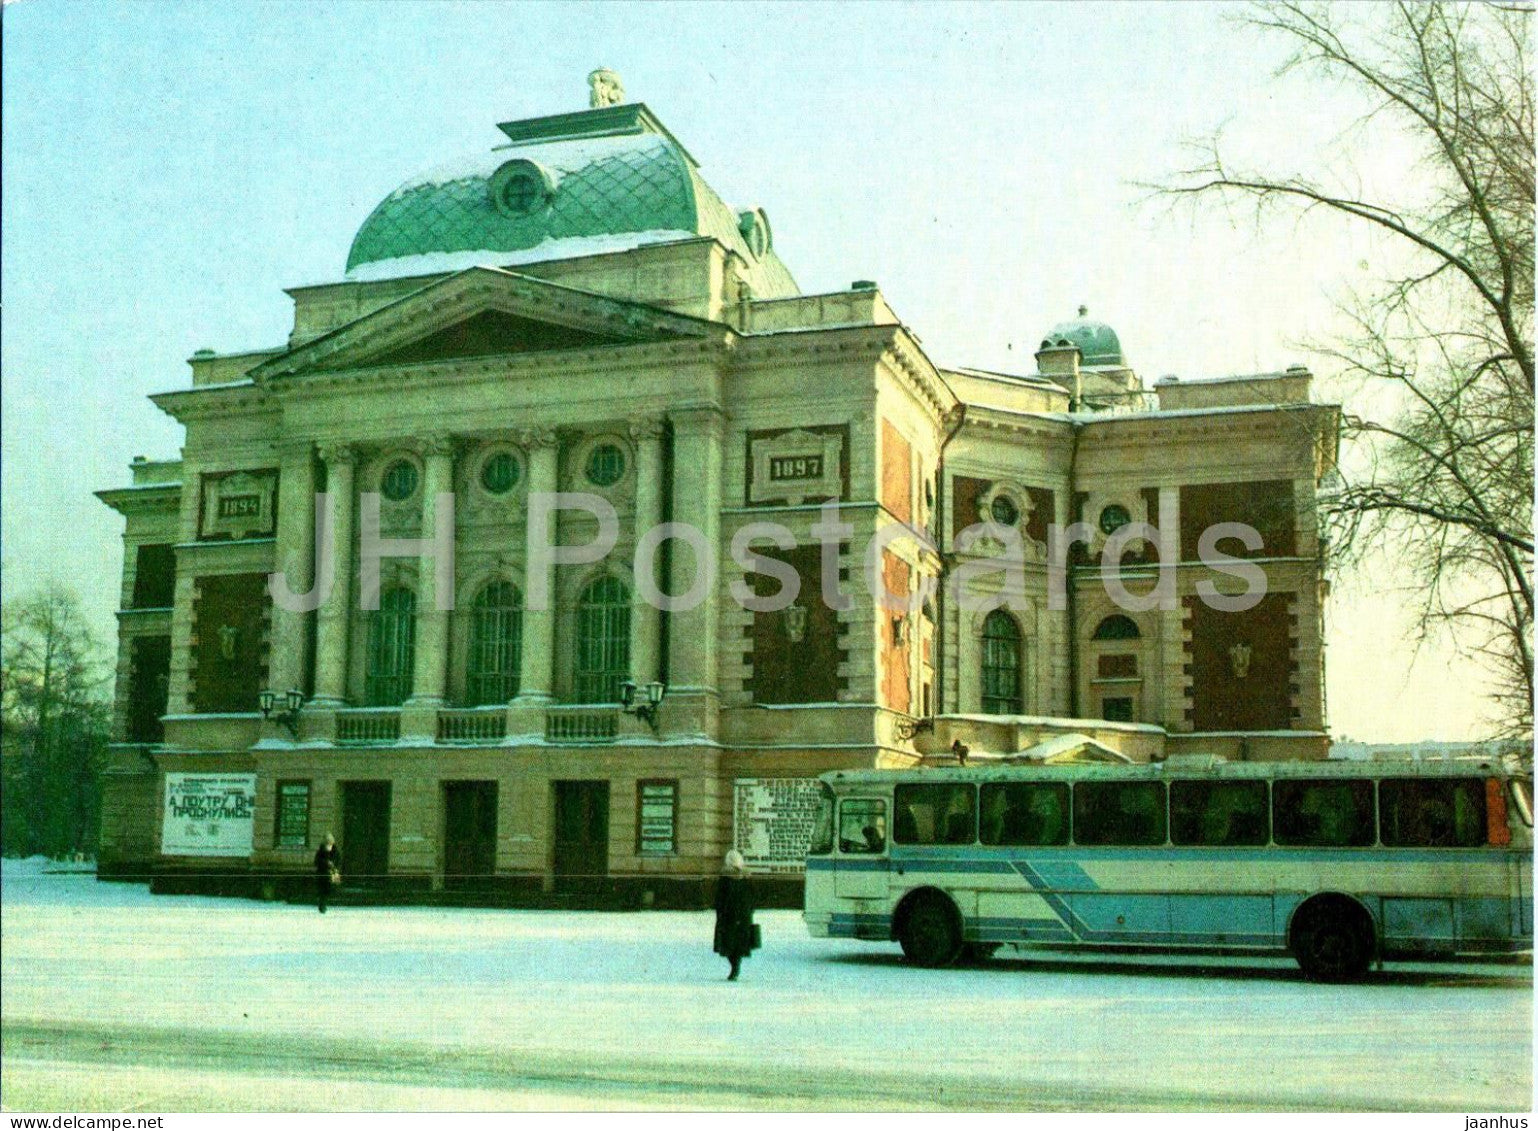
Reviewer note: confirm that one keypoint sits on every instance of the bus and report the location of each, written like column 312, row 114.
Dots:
column 1340, row 864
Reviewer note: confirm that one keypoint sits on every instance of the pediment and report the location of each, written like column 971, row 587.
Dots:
column 481, row 312
column 491, row 332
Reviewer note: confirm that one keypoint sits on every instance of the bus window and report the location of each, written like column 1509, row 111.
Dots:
column 1031, row 813
column 1323, row 813
column 862, row 826
column 1219, row 812
column 1432, row 812
column 822, row 828
column 935, row 814
column 1107, row 812
column 1523, row 793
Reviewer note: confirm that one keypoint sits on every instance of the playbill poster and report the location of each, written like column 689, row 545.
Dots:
column 772, row 820
column 208, row 814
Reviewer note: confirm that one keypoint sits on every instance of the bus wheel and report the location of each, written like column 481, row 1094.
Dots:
column 929, row 934
column 1332, row 941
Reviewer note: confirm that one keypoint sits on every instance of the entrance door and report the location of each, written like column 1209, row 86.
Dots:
column 365, row 832
column 469, row 834
column 581, row 835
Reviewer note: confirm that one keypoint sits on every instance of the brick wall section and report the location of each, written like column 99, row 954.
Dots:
column 1261, row 699
column 896, row 473
column 1043, row 513
column 229, row 683
column 1266, row 505
column 896, row 673
column 786, row 670
column 966, row 495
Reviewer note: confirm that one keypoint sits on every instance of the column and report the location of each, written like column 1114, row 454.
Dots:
column 295, row 563
column 430, row 675
column 334, row 615
column 692, row 635
column 646, row 618
column 536, row 678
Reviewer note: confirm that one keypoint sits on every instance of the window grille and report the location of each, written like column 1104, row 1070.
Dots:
column 391, row 648
column 1001, row 665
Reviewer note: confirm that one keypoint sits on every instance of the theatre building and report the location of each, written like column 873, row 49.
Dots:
column 576, row 310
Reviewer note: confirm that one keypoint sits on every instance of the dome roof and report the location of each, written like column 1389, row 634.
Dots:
column 1097, row 342
column 600, row 180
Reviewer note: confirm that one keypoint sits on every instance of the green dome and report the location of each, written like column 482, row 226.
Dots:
column 1097, row 342
column 576, row 184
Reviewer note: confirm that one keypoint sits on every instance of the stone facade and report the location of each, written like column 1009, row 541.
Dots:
column 677, row 374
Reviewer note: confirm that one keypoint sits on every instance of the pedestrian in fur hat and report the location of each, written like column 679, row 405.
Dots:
column 736, row 934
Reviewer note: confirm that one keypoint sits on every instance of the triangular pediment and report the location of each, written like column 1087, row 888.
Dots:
column 482, row 312
column 491, row 332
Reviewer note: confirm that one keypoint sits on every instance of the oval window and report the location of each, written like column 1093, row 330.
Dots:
column 1113, row 518
column 400, row 481
column 605, row 465
column 1004, row 511
column 499, row 474
column 520, row 188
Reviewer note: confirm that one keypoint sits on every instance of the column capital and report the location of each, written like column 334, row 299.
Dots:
column 295, row 449
column 699, row 418
column 532, row 438
column 646, row 428
column 335, row 454
column 438, row 444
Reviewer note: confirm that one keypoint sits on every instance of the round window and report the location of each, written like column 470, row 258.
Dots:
column 499, row 474
column 1113, row 518
column 605, row 465
column 400, row 481
column 1004, row 511
column 520, row 188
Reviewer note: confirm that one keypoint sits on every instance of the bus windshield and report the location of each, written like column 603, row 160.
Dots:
column 822, row 827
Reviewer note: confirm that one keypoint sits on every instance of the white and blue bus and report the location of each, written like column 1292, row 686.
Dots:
column 1338, row 863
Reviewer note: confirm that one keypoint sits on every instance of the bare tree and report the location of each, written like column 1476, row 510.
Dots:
column 1442, row 479
column 56, row 723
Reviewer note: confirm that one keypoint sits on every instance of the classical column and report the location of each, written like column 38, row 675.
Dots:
column 334, row 614
column 536, row 677
column 295, row 562
column 645, row 617
column 692, row 632
column 430, row 675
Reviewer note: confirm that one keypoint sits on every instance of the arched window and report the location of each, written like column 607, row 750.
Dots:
column 1001, row 665
column 1117, row 627
column 496, row 645
column 603, row 641
column 391, row 648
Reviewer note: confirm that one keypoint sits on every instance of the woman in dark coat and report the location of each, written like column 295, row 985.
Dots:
column 328, row 870
column 735, row 932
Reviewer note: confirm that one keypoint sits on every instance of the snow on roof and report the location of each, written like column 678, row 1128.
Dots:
column 572, row 247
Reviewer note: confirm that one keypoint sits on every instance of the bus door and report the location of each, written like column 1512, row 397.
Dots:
column 861, row 872
column 1519, row 835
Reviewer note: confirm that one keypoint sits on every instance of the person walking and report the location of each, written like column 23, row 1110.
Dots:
column 328, row 870
column 736, row 934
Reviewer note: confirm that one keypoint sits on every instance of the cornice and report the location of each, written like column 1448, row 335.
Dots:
column 469, row 370
column 185, row 405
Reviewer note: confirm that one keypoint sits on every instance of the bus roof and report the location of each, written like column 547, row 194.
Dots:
column 1180, row 766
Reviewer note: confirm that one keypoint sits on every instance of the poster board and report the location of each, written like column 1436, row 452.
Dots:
column 772, row 822
column 208, row 815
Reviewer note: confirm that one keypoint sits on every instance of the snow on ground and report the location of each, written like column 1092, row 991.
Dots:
column 527, row 1009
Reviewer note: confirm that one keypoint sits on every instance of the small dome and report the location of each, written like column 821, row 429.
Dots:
column 1097, row 342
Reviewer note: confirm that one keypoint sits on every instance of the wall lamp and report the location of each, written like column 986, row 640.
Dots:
column 642, row 702
column 282, row 708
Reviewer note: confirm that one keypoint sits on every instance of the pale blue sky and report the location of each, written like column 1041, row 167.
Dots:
column 169, row 168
